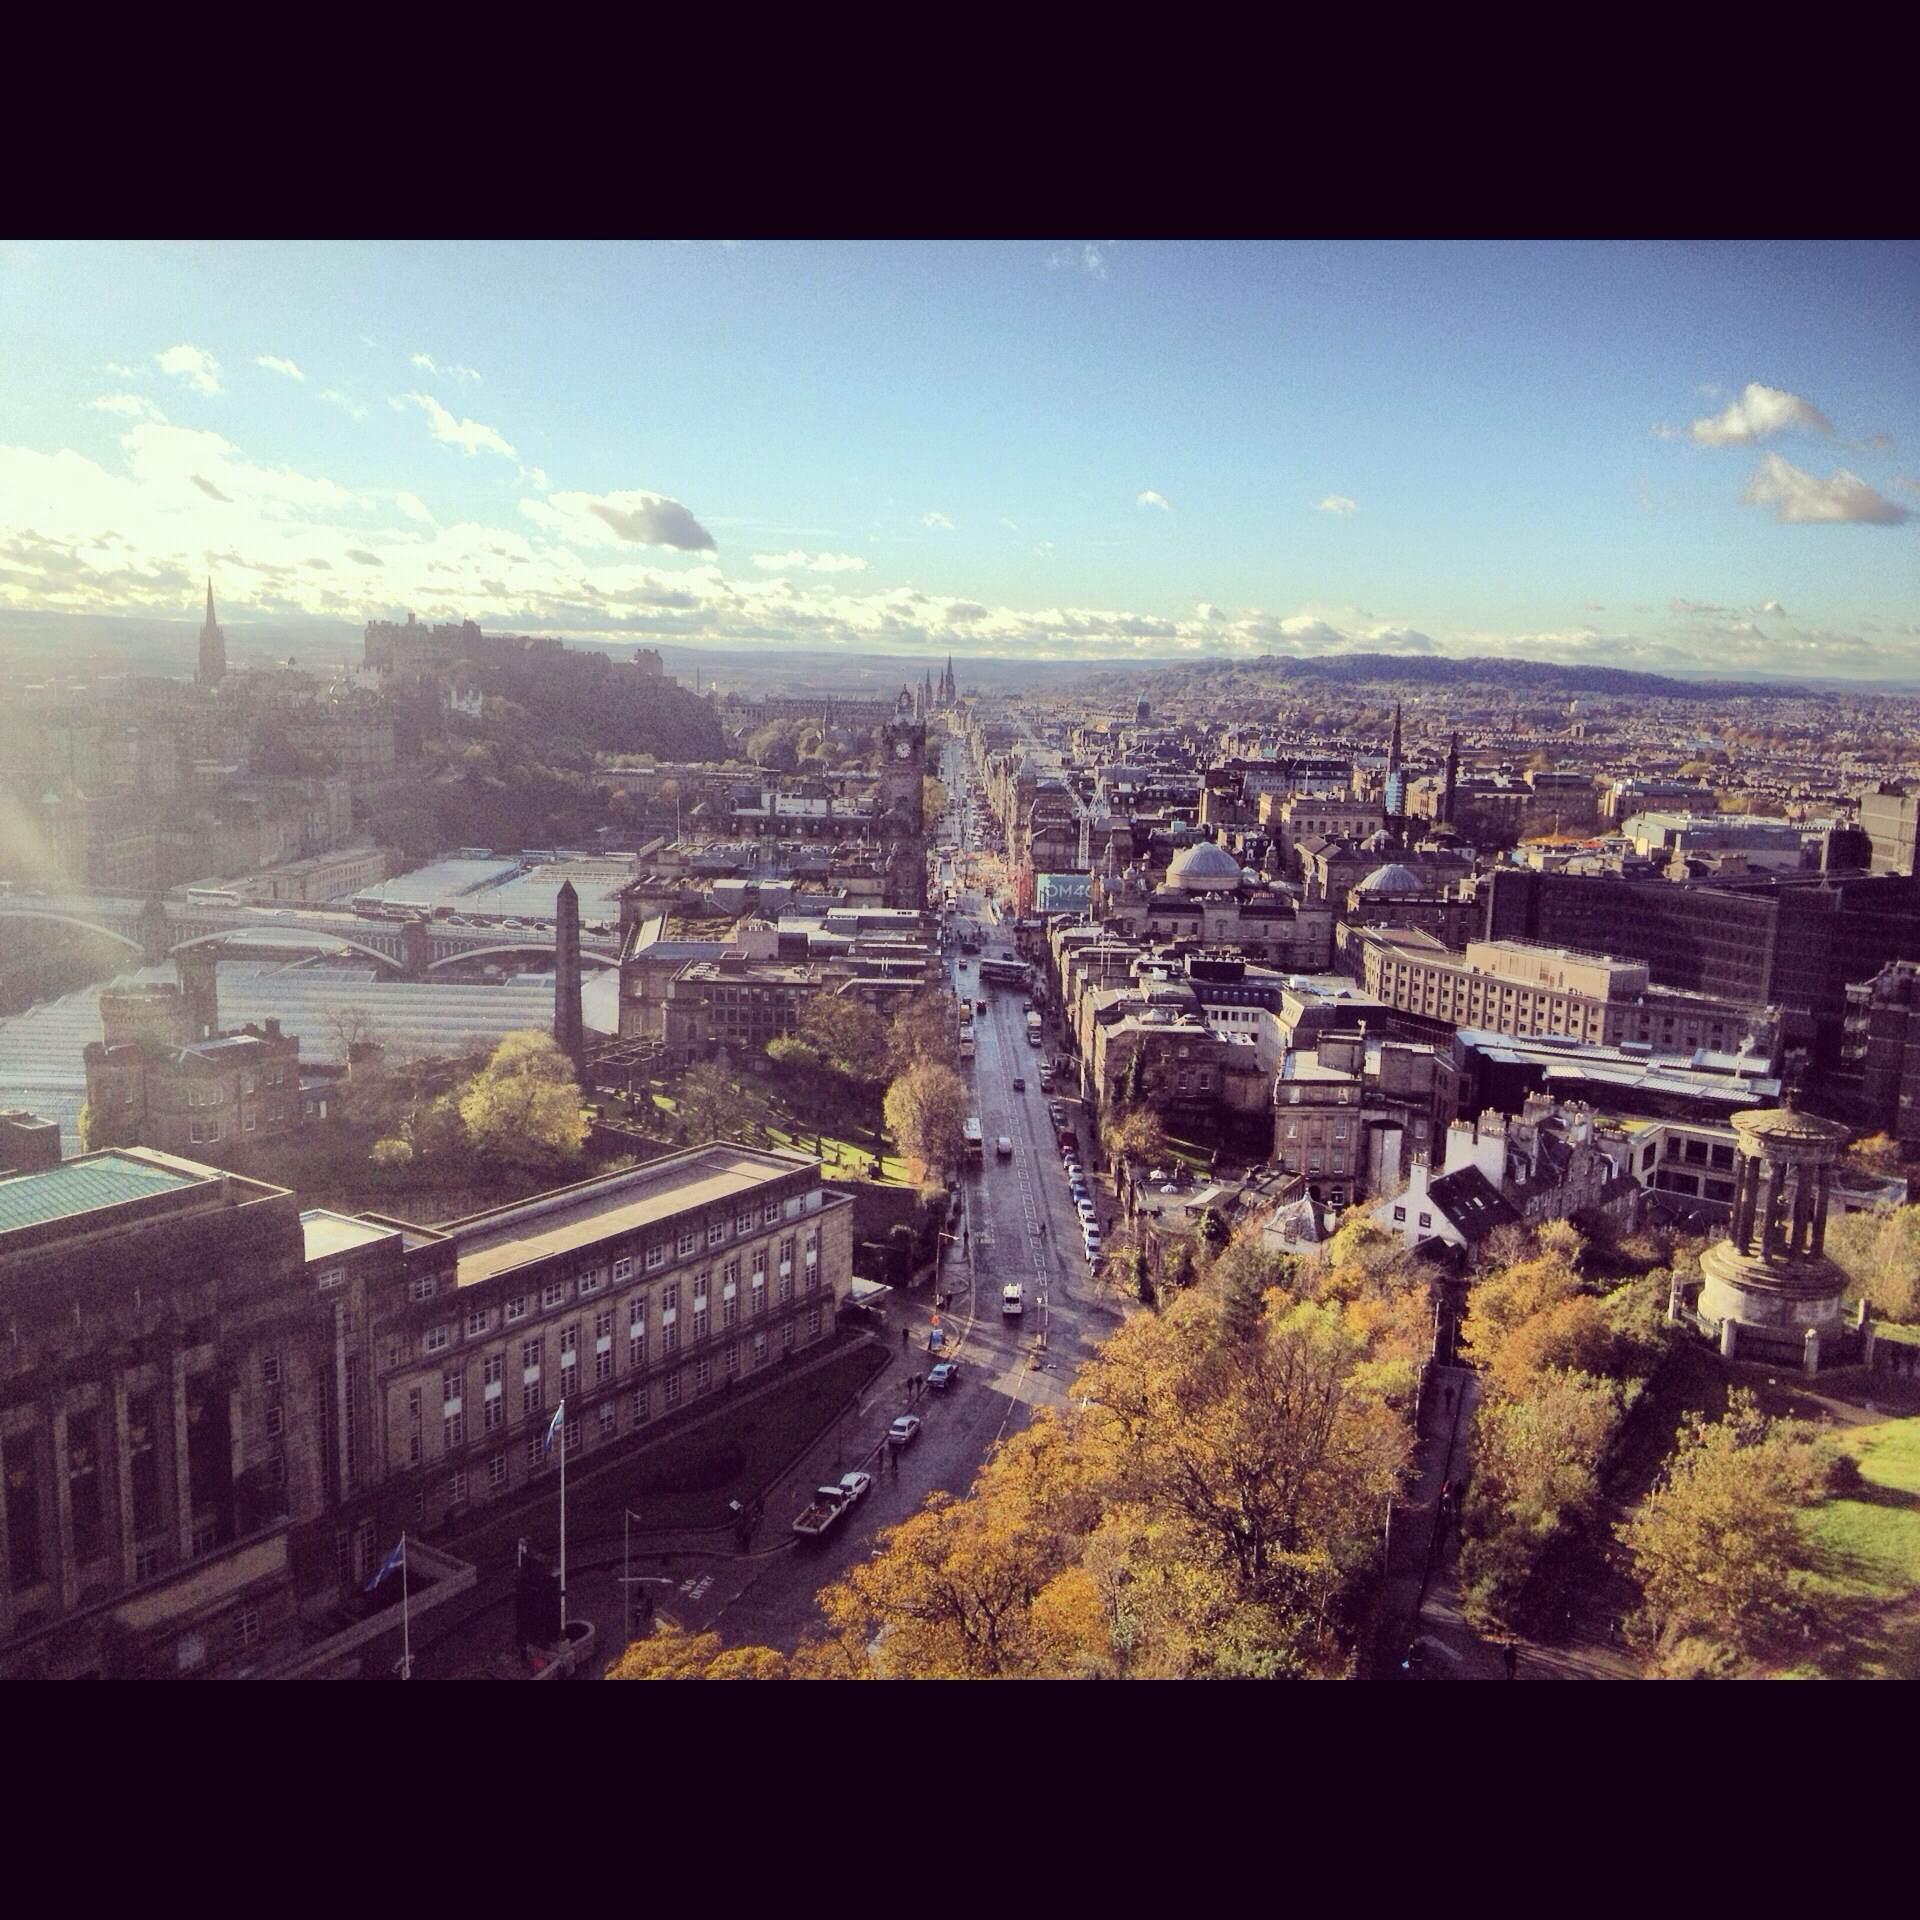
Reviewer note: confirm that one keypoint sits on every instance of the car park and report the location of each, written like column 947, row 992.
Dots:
column 904, row 1430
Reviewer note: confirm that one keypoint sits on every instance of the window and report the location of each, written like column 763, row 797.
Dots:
column 609, row 1415
column 516, row 1308
column 685, row 1244
column 701, row 1323
column 786, row 1333
column 603, row 1363
column 530, row 1396
column 592, row 1280
column 536, row 1452
column 702, row 1374
column 733, row 1359
column 478, row 1321
column 456, row 1489
column 573, row 1435
column 496, row 1473
column 759, row 1349
column 813, row 1320
column 246, row 1626
column 1400, row 1213
column 270, row 1370
column 623, row 1268
column 786, row 1254
column 276, row 1422
column 553, row 1294
column 491, row 1370
column 569, row 1345
column 743, row 1220
column 759, row 1291
column 637, row 1405
column 786, row 1289
column 531, row 1352
column 730, row 1312
column 331, row 1278
column 451, row 1384
column 495, row 1411
column 656, row 1256
column 770, row 1213
column 670, row 1298
column 422, row 1287
column 813, row 1276
column 670, row 1338
column 672, row 1394
column 454, row 1428
column 436, row 1340
column 1426, row 1219
column 716, row 1232
column 146, row 1564
column 730, row 1273
column 204, row 1540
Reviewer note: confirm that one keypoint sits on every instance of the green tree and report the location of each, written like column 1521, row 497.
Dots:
column 1720, row 1549
column 1135, row 1134
column 524, row 1105
column 708, row 1105
column 102, row 1127
column 1880, row 1255
column 926, row 1111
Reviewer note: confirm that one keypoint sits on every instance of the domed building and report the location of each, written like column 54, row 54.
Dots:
column 1383, row 882
column 1203, row 868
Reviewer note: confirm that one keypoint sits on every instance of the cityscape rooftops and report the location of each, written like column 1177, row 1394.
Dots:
column 114, row 1178
column 328, row 1234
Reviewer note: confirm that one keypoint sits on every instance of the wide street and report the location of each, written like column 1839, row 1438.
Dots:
column 1007, row 1366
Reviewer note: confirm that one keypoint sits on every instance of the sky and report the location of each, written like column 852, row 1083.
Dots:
column 1659, row 455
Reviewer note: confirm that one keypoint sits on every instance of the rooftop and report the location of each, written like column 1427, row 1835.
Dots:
column 83, row 1186
column 515, row 1236
column 328, row 1234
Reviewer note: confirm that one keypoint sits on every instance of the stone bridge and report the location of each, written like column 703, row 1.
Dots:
column 158, row 927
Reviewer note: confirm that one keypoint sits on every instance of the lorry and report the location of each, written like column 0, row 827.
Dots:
column 829, row 1503
column 976, row 1147
column 1013, row 1302
column 1033, row 1029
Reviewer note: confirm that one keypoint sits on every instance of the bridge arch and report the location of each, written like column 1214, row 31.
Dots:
column 14, row 911
column 587, row 958
column 293, row 935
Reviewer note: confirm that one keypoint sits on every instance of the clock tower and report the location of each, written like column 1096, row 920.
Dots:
column 902, row 804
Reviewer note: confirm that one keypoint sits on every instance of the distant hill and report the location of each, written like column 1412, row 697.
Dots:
column 1428, row 670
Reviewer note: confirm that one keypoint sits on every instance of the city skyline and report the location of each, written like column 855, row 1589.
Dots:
column 1663, row 456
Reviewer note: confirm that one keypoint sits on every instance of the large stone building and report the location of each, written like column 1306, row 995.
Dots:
column 1880, row 1055
column 1514, row 986
column 234, row 1089
column 1207, row 896
column 219, row 1413
column 1891, row 819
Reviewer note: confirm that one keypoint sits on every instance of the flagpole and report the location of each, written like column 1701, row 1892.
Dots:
column 406, row 1622
column 563, row 1520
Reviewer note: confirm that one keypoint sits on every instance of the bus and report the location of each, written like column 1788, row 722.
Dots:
column 214, row 897
column 1033, row 1029
column 1005, row 973
column 976, row 1149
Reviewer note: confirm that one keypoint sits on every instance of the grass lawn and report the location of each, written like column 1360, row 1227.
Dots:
column 766, row 1118
column 1869, row 1543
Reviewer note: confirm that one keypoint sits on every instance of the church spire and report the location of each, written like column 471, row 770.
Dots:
column 1393, row 752
column 210, row 619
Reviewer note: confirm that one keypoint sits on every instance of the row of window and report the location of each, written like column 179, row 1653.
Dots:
column 480, row 1320
column 674, row 1388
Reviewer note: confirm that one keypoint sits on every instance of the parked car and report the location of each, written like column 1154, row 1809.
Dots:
column 904, row 1430
column 1019, row 1085
column 1086, row 1210
column 945, row 1374
column 1092, row 1239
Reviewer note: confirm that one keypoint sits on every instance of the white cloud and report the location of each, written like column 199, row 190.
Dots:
column 1798, row 499
column 1011, row 526
column 811, row 562
column 936, row 520
column 334, row 397
column 536, row 477
column 470, row 436
column 1044, row 551
column 1090, row 258
column 1759, row 413
column 198, row 368
column 413, row 507
column 274, row 364
column 1152, row 499
column 121, row 371
column 1337, row 503
column 426, row 363
column 134, row 406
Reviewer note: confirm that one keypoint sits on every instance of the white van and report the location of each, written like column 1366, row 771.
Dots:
column 1013, row 1302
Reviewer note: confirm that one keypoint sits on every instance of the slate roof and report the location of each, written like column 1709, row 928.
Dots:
column 1472, row 1202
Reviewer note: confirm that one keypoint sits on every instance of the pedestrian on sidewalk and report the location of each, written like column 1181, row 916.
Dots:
column 1449, row 1399
column 1510, row 1659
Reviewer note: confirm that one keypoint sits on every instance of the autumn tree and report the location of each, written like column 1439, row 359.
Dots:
column 524, row 1105
column 926, row 1110
column 1880, row 1255
column 1135, row 1134
column 671, row 1653
column 924, row 1027
column 1719, row 1548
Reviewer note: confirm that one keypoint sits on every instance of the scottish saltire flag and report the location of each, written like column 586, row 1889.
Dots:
column 553, row 1426
column 391, row 1564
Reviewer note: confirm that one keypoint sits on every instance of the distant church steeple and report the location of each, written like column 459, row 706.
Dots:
column 213, row 647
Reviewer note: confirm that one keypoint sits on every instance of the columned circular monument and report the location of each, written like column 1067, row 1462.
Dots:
column 1769, row 1285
